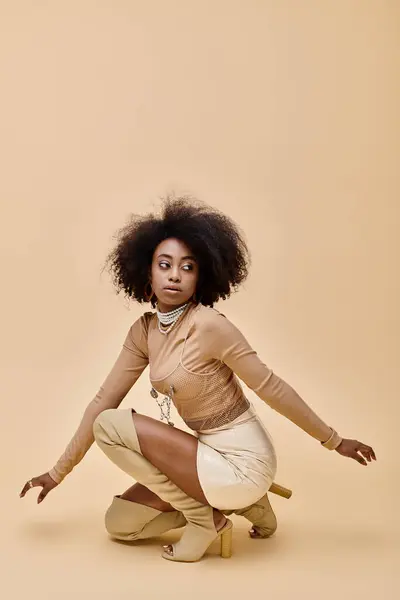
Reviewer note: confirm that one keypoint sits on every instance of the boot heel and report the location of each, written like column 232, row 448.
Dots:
column 280, row 490
column 226, row 543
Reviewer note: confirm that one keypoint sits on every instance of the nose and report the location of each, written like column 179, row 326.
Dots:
column 174, row 275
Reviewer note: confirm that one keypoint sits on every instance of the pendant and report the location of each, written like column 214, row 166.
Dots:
column 165, row 402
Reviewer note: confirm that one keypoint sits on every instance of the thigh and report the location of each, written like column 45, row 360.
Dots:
column 172, row 451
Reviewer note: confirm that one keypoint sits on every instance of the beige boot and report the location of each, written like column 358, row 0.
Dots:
column 261, row 515
column 128, row 521
column 115, row 433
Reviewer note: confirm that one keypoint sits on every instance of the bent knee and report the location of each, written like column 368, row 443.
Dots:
column 115, row 524
column 122, row 521
column 102, row 422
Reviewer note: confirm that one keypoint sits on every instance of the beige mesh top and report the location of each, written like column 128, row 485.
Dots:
column 202, row 358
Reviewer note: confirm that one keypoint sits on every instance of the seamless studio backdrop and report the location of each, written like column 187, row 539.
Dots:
column 285, row 116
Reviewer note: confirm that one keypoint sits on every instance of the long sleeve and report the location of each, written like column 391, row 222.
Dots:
column 225, row 342
column 129, row 365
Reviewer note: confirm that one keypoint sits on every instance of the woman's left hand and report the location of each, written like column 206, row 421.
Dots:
column 356, row 450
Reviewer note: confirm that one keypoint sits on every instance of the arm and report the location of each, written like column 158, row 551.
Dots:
column 131, row 362
column 225, row 342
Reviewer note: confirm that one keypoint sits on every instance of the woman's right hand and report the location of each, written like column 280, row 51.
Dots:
column 44, row 481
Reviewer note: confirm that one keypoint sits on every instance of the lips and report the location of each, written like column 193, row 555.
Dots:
column 172, row 289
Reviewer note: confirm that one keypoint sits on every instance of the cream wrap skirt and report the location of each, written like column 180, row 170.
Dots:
column 236, row 463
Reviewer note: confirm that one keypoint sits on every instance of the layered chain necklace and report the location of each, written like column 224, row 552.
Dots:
column 164, row 404
column 169, row 318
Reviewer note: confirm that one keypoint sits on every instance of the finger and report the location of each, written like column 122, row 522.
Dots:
column 368, row 449
column 42, row 495
column 24, row 490
column 359, row 459
column 29, row 484
column 366, row 453
column 372, row 453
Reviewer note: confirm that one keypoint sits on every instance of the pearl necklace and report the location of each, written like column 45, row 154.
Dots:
column 169, row 318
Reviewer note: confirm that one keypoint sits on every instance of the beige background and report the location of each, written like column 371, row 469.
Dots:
column 283, row 114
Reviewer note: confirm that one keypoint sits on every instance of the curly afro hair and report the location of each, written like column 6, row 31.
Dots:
column 214, row 239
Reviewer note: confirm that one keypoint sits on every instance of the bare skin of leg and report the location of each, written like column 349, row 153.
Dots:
column 161, row 445
column 142, row 495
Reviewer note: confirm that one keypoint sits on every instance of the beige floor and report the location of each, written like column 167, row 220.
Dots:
column 331, row 543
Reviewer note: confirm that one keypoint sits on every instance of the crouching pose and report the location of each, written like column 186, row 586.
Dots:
column 182, row 263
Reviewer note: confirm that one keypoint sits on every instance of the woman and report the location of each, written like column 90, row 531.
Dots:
column 182, row 263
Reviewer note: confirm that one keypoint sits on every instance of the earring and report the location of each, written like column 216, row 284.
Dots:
column 146, row 295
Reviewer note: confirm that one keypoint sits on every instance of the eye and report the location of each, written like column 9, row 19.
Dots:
column 163, row 262
column 189, row 267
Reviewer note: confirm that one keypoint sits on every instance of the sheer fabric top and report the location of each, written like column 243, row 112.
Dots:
column 199, row 363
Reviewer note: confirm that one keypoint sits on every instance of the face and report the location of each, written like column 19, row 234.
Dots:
column 174, row 274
